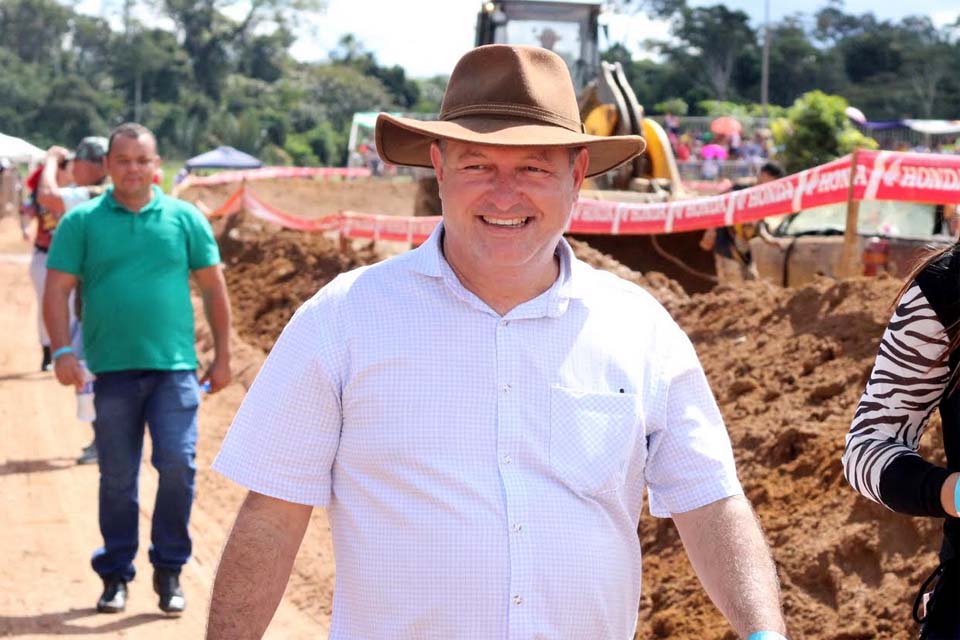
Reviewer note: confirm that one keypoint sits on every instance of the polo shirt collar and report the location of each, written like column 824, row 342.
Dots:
column 428, row 259
column 154, row 203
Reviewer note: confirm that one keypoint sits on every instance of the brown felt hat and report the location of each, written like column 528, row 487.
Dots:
column 505, row 95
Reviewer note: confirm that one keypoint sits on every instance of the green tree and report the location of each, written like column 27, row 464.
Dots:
column 72, row 110
column 431, row 94
column 797, row 65
column 341, row 91
column 350, row 52
column 148, row 66
column 25, row 89
column 717, row 37
column 816, row 130
column 929, row 58
column 209, row 36
column 34, row 30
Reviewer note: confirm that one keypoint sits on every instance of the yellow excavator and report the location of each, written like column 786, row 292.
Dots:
column 608, row 105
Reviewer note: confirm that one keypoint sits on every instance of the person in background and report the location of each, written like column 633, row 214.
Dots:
column 45, row 222
column 55, row 200
column 133, row 250
column 10, row 188
column 916, row 372
column 731, row 245
column 682, row 149
column 484, row 438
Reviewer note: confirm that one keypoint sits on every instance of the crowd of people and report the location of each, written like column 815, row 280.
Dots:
column 710, row 155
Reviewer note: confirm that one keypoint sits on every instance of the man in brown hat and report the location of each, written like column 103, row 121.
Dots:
column 480, row 416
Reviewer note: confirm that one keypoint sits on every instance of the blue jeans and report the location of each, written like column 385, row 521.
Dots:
column 167, row 402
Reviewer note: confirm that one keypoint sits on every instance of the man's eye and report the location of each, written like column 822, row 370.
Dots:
column 536, row 170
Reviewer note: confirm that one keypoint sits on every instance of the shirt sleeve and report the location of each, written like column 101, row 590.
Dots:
column 67, row 249
column 285, row 435
column 689, row 458
column 72, row 196
column 202, row 250
column 908, row 380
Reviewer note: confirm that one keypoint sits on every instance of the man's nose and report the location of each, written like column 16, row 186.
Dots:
column 505, row 190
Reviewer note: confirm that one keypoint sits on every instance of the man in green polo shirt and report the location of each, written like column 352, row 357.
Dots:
column 133, row 249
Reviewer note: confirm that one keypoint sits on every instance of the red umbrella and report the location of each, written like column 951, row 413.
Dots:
column 726, row 126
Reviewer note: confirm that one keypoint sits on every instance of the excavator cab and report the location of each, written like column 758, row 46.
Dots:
column 569, row 29
column 608, row 105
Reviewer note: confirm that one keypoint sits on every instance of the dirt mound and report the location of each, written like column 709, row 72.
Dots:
column 666, row 290
column 788, row 367
column 271, row 271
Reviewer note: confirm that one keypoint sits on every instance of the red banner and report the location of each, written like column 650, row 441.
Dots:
column 911, row 177
column 883, row 175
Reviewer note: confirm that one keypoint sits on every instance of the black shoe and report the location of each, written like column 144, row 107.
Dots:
column 47, row 363
column 166, row 583
column 114, row 597
column 89, row 454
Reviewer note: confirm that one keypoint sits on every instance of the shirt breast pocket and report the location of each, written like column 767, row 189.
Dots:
column 592, row 437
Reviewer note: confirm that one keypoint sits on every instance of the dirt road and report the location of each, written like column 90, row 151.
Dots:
column 48, row 526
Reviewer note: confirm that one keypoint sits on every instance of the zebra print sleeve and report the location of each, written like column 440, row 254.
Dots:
column 906, row 384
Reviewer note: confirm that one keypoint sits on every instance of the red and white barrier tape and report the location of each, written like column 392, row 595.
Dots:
column 879, row 175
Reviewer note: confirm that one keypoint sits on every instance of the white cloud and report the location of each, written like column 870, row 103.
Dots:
column 943, row 17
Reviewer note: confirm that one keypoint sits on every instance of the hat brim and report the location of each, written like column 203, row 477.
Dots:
column 404, row 141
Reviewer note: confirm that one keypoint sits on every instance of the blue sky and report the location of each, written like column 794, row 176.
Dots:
column 426, row 37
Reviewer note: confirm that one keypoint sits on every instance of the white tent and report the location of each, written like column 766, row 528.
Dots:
column 19, row 150
column 934, row 127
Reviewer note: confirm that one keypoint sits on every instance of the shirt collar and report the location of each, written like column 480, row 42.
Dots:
column 428, row 259
column 150, row 206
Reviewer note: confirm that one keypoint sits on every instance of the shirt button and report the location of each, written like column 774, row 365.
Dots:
column 507, row 459
column 517, row 527
column 505, row 388
column 517, row 600
column 505, row 323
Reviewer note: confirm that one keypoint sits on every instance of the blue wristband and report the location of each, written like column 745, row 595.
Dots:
column 62, row 351
column 766, row 635
column 956, row 496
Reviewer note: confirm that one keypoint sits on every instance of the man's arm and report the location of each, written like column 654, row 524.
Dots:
column 216, row 306
column 255, row 566
column 56, row 315
column 727, row 550
column 26, row 211
column 48, row 191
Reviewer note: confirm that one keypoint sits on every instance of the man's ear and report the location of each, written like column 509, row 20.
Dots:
column 436, row 159
column 580, row 165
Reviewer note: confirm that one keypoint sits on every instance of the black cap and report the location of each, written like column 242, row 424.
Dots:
column 91, row 149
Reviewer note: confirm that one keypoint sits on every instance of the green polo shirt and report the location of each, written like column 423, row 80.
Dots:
column 134, row 270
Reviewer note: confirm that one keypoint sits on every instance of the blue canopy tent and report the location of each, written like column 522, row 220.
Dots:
column 223, row 158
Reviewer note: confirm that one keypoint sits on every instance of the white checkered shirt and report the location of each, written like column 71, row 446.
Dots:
column 484, row 475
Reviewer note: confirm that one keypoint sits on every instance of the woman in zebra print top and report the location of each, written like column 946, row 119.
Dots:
column 916, row 371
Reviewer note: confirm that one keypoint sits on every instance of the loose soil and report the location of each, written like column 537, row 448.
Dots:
column 787, row 367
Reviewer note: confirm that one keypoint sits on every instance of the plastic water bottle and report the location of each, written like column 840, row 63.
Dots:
column 86, row 411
